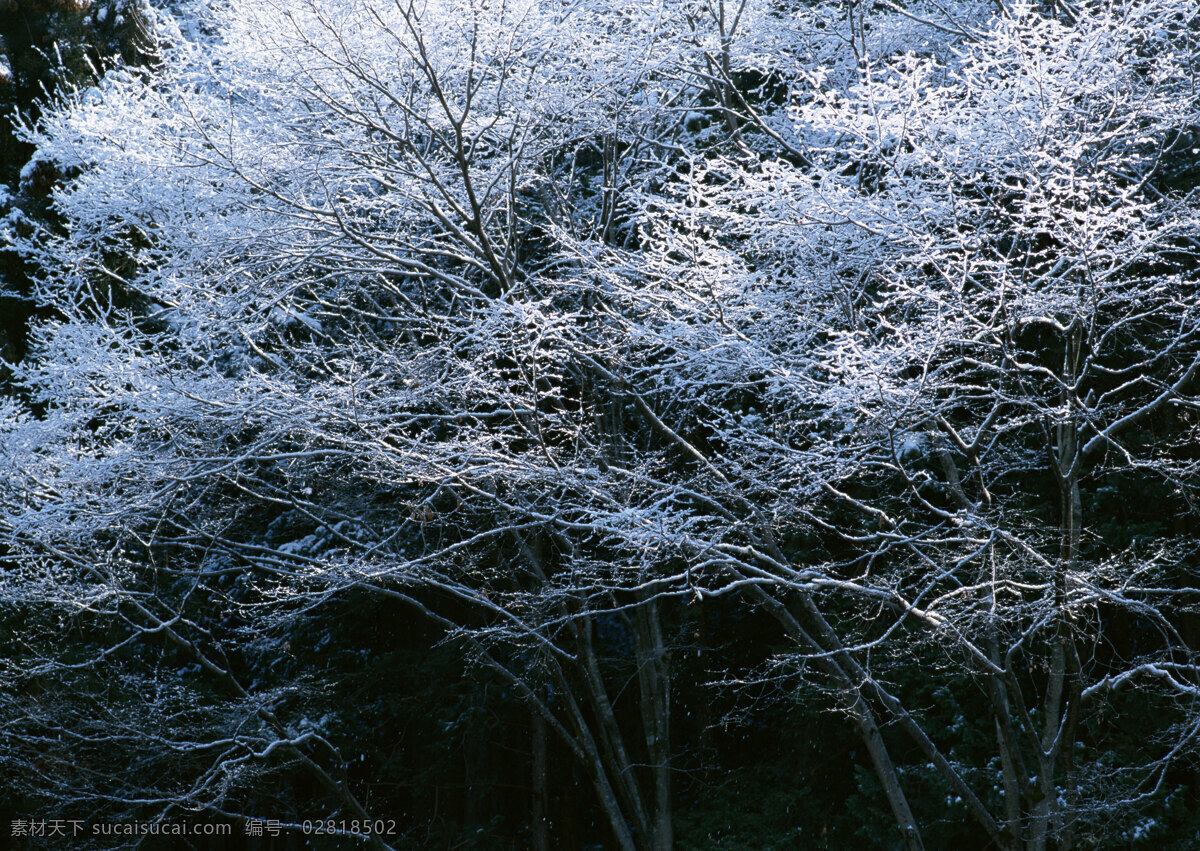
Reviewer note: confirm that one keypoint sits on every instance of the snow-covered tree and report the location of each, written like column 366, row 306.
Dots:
column 308, row 261
column 551, row 320
column 946, row 343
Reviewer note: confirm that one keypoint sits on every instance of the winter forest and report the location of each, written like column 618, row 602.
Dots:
column 601, row 424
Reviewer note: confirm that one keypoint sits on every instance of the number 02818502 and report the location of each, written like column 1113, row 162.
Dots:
column 362, row 827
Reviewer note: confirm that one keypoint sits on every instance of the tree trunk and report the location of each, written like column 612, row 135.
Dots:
column 655, row 686
column 859, row 709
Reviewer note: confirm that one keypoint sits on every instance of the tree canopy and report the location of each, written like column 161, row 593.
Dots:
column 421, row 393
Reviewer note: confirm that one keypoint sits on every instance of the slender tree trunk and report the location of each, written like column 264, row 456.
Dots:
column 1062, row 691
column 595, row 736
column 655, row 687
column 885, row 770
column 859, row 709
column 1012, row 765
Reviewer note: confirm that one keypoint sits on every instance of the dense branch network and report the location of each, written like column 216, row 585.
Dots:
column 535, row 317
